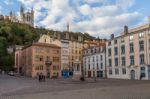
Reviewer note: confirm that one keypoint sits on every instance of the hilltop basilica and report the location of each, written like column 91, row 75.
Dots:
column 25, row 17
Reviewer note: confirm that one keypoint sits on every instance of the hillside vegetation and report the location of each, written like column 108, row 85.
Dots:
column 12, row 34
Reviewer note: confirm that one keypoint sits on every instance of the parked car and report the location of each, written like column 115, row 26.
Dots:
column 11, row 73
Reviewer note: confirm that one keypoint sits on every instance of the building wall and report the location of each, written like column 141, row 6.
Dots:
column 18, row 60
column 64, row 55
column 136, row 66
column 94, row 62
column 64, row 44
column 33, row 60
column 75, row 53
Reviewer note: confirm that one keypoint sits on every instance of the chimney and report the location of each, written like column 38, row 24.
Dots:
column 112, row 36
column 125, row 29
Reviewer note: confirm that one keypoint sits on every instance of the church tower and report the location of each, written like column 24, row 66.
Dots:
column 32, row 17
column 22, row 14
column 27, row 17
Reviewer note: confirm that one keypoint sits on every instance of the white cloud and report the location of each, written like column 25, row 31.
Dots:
column 85, row 9
column 100, row 20
column 7, row 2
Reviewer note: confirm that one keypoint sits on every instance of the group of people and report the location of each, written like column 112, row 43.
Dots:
column 41, row 77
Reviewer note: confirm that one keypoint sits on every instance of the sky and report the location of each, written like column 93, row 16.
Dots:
column 99, row 18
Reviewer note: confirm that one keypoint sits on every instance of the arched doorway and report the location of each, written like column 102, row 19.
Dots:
column 132, row 74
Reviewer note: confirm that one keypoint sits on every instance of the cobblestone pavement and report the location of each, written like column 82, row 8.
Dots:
column 28, row 88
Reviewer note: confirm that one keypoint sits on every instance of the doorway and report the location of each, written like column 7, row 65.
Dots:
column 132, row 74
column 89, row 73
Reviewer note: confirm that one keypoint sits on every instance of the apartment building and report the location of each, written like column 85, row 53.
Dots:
column 64, row 44
column 128, row 55
column 39, row 58
column 94, row 61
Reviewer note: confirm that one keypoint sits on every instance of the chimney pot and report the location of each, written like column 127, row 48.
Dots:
column 112, row 36
column 125, row 29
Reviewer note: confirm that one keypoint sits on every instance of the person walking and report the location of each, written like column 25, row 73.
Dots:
column 40, row 77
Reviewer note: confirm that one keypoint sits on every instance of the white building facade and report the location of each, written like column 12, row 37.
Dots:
column 94, row 61
column 128, row 56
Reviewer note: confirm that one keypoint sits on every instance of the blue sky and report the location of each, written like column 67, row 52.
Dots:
column 97, row 17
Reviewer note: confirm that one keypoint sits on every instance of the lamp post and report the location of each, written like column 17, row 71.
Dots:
column 48, row 63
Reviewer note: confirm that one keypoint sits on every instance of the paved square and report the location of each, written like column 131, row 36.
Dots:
column 28, row 88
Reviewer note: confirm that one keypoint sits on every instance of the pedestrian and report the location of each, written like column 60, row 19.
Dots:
column 141, row 77
column 40, row 77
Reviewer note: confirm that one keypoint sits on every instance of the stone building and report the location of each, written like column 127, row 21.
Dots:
column 39, row 58
column 128, row 55
column 94, row 60
column 25, row 17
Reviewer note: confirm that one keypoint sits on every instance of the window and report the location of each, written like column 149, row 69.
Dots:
column 122, row 49
column 110, row 71
column 131, row 60
column 131, row 48
column 55, row 67
column 55, row 51
column 41, row 67
column 101, row 57
column 141, row 45
column 39, row 58
column 110, row 65
column 115, row 41
column 143, row 71
column 116, row 71
column 116, row 61
column 123, row 70
column 55, row 59
column 97, row 66
column 131, row 38
column 93, row 58
column 97, row 58
column 89, row 59
column 123, row 61
column 141, row 35
column 89, row 66
column 101, row 65
column 116, row 51
column 122, row 40
column 142, row 59
column 38, row 50
column 109, row 52
column 93, row 66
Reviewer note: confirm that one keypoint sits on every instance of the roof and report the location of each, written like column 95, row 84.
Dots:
column 134, row 30
column 91, row 47
column 42, row 45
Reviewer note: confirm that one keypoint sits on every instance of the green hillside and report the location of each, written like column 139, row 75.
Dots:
column 12, row 34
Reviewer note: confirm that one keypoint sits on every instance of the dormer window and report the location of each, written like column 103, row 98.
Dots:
column 131, row 38
column 115, row 42
column 141, row 35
